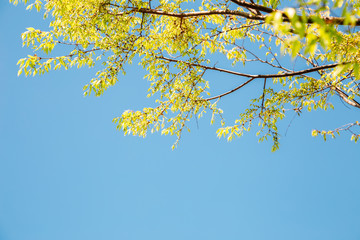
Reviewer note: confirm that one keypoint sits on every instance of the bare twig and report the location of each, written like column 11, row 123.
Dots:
column 263, row 95
column 231, row 91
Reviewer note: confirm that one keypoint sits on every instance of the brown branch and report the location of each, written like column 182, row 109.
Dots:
column 287, row 74
column 258, row 7
column 346, row 98
column 346, row 127
column 314, row 69
column 329, row 20
column 263, row 95
column 231, row 91
column 343, row 95
column 70, row 55
column 253, row 6
column 249, row 6
column 191, row 14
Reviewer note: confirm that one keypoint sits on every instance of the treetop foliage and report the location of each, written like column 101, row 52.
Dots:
column 179, row 43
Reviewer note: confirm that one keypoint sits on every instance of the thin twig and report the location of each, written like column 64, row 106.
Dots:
column 231, row 91
column 263, row 95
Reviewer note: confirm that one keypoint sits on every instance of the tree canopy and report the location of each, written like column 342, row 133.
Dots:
column 309, row 50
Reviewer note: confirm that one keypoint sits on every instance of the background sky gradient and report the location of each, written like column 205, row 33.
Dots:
column 66, row 173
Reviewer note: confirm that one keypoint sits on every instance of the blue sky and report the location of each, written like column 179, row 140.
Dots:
column 66, row 173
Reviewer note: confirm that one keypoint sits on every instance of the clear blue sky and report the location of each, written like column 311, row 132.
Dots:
column 66, row 173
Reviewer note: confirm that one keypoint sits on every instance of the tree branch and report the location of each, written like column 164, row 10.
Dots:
column 191, row 14
column 346, row 98
column 343, row 95
column 231, row 91
column 287, row 74
column 247, row 5
column 263, row 95
column 329, row 20
column 258, row 7
column 253, row 6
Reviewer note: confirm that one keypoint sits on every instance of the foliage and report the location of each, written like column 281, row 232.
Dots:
column 178, row 41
